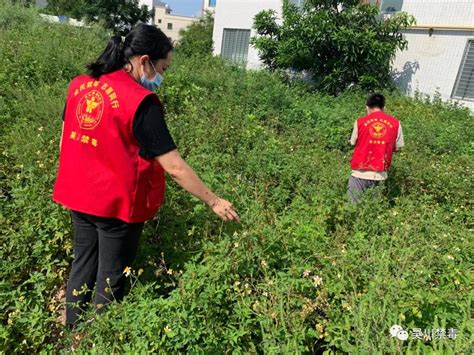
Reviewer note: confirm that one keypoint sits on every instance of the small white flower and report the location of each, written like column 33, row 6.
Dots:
column 127, row 271
column 317, row 280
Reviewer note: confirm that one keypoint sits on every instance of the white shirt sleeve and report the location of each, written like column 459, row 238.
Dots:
column 400, row 140
column 355, row 133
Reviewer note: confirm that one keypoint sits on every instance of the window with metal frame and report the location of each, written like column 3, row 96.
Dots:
column 464, row 86
column 235, row 45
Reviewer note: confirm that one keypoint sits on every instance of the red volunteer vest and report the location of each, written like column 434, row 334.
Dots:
column 100, row 171
column 377, row 135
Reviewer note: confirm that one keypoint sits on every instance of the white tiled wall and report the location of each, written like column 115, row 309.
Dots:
column 431, row 63
column 444, row 12
column 239, row 14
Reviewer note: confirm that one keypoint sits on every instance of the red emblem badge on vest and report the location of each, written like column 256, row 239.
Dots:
column 377, row 129
column 89, row 110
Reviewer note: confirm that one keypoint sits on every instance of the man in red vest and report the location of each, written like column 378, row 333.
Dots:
column 375, row 137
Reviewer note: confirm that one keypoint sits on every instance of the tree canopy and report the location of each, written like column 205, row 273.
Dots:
column 339, row 43
column 197, row 38
column 116, row 15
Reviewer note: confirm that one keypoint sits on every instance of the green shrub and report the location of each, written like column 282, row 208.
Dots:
column 196, row 40
column 338, row 44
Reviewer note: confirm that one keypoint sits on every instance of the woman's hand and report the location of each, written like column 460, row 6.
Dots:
column 185, row 176
column 224, row 210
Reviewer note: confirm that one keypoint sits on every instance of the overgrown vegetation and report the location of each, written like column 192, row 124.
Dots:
column 196, row 39
column 116, row 15
column 305, row 272
column 341, row 44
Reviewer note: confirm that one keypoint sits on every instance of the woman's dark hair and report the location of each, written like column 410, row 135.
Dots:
column 141, row 40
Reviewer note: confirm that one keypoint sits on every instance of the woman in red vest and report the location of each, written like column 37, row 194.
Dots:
column 115, row 148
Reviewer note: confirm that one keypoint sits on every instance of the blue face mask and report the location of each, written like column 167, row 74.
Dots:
column 152, row 84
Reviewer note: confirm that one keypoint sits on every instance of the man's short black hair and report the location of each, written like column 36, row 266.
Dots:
column 376, row 101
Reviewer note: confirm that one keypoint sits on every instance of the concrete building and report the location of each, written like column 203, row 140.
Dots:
column 439, row 58
column 168, row 23
column 440, row 54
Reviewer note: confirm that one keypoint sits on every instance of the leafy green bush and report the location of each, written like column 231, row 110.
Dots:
column 305, row 272
column 339, row 44
column 117, row 16
column 196, row 39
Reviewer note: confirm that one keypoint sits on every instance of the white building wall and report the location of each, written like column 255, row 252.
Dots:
column 431, row 63
column 453, row 12
column 239, row 14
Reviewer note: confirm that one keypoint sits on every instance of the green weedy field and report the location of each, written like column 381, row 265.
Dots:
column 304, row 272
